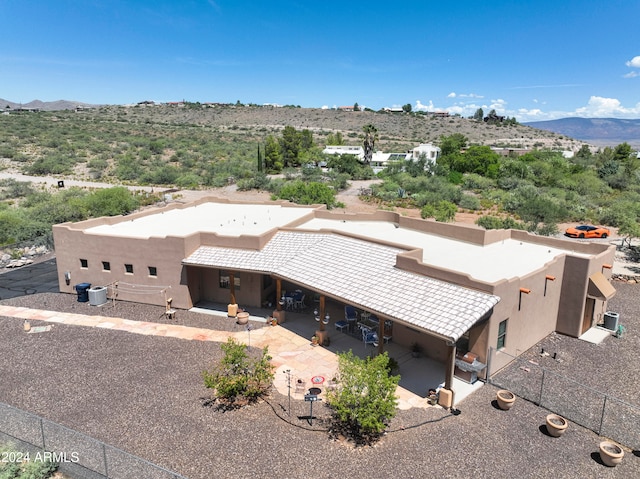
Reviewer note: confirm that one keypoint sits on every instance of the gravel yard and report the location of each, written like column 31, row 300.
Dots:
column 144, row 394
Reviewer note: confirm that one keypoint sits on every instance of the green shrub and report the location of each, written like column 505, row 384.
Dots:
column 443, row 211
column 469, row 202
column 312, row 193
column 496, row 223
column 364, row 401
column 239, row 378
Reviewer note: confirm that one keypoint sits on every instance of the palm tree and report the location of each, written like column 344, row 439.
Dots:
column 370, row 137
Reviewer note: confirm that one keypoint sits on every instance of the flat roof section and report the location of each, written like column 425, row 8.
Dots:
column 226, row 219
column 494, row 262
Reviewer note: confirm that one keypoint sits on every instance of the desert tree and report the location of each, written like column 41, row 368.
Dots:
column 364, row 400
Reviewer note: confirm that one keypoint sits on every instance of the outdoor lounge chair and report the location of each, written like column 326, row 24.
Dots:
column 350, row 316
column 369, row 337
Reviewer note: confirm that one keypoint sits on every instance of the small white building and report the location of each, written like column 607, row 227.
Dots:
column 357, row 151
column 380, row 160
column 430, row 151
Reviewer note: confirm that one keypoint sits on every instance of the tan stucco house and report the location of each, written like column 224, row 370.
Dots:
column 452, row 288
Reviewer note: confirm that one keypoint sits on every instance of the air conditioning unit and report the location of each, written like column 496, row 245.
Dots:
column 97, row 295
column 611, row 320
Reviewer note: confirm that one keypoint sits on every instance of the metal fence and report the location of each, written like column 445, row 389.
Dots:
column 80, row 456
column 602, row 413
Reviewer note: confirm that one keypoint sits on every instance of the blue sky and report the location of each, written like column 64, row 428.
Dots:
column 529, row 59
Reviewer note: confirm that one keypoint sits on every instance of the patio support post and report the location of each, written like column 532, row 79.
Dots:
column 451, row 364
column 381, row 335
column 322, row 312
column 278, row 294
column 232, row 288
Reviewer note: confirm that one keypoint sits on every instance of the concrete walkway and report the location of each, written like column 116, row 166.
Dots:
column 294, row 357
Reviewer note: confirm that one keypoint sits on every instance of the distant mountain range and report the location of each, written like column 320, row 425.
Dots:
column 44, row 105
column 599, row 131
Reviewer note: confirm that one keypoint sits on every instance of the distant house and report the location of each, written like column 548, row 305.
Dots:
column 346, row 108
column 380, row 160
column 394, row 109
column 430, row 151
column 357, row 151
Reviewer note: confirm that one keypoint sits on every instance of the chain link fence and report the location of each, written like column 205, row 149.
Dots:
column 80, row 456
column 604, row 414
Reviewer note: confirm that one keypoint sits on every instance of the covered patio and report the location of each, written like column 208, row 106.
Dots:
column 417, row 374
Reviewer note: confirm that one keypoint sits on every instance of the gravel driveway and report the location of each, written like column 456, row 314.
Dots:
column 144, row 394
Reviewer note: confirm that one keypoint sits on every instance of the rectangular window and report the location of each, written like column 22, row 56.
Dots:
column 153, row 271
column 106, row 266
column 84, row 263
column 128, row 268
column 225, row 279
column 502, row 334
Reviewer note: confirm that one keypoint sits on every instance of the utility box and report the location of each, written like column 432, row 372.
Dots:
column 611, row 320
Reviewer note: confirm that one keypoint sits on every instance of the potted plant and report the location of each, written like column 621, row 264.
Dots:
column 610, row 453
column 314, row 340
column 505, row 399
column 416, row 349
column 273, row 321
column 556, row 425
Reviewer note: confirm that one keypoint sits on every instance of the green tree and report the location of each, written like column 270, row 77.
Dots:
column 272, row 157
column 369, row 141
column 240, row 378
column 478, row 115
column 477, row 159
column 364, row 401
column 629, row 229
column 335, row 139
column 452, row 144
column 290, row 146
column 407, row 108
column 306, row 140
column 356, row 107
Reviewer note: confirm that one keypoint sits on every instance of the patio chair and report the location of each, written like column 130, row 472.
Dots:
column 369, row 338
column 299, row 301
column 350, row 316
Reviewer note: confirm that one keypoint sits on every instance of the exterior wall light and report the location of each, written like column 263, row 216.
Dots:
column 525, row 291
column 606, row 266
column 548, row 278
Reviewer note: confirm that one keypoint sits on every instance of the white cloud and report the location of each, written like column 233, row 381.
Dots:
column 451, row 95
column 607, row 107
column 631, row 75
column 420, row 106
column 634, row 62
column 596, row 107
